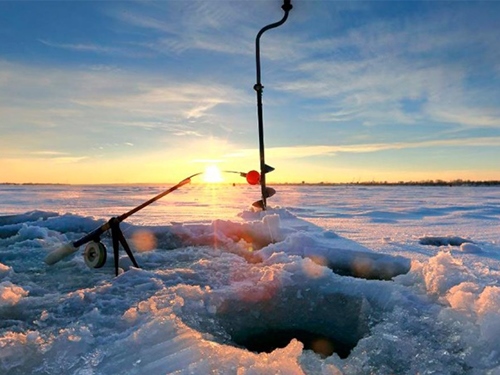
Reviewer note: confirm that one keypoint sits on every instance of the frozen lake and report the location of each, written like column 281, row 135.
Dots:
column 225, row 290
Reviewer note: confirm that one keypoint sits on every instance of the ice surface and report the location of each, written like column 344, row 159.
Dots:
column 217, row 293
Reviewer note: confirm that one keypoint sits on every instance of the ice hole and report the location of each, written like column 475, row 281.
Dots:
column 324, row 322
column 272, row 339
column 443, row 241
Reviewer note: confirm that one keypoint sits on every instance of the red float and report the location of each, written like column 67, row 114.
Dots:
column 253, row 177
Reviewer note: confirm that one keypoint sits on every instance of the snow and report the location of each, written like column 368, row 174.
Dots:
column 330, row 280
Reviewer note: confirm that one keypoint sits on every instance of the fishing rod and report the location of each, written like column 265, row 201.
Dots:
column 258, row 87
column 95, row 253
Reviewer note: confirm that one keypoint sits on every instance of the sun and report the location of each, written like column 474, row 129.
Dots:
column 212, row 174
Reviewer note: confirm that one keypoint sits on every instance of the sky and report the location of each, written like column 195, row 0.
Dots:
column 154, row 91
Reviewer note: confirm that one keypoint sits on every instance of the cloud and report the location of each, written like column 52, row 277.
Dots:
column 470, row 117
column 69, row 159
column 48, row 94
column 145, row 21
column 44, row 156
column 53, row 157
column 299, row 151
column 362, row 75
column 224, row 27
column 78, row 112
column 47, row 153
column 94, row 48
column 83, row 47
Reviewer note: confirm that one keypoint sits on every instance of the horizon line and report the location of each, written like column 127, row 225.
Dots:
column 457, row 181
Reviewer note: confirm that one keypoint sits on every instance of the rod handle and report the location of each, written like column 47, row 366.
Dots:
column 55, row 256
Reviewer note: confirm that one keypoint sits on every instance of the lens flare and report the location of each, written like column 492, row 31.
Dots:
column 212, row 174
column 144, row 240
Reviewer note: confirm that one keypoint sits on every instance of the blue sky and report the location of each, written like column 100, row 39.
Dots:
column 145, row 91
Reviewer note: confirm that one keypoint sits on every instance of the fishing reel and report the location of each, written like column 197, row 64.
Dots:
column 95, row 254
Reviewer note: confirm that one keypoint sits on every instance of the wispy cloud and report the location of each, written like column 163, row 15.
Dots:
column 366, row 73
column 83, row 47
column 48, row 153
column 471, row 117
column 129, row 50
column 79, row 109
column 300, row 151
column 194, row 25
column 145, row 21
column 56, row 156
column 69, row 159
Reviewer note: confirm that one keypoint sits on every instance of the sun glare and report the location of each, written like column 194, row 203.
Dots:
column 212, row 174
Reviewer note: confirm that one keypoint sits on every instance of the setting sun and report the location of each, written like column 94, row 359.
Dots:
column 212, row 174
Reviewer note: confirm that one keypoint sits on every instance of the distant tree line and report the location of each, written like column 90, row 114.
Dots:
column 457, row 182
column 30, row 183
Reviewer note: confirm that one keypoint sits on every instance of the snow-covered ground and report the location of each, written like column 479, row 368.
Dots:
column 224, row 290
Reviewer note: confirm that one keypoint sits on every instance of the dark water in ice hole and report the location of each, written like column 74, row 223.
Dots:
column 326, row 322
